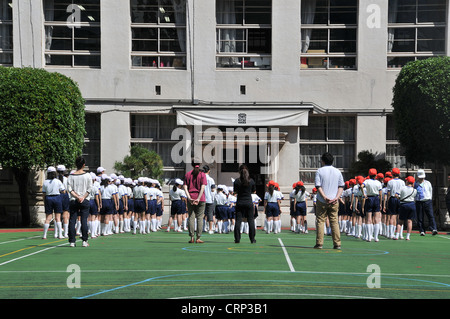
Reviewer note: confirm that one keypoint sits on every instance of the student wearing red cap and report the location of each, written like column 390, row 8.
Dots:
column 407, row 208
column 358, row 205
column 272, row 207
column 372, row 205
column 300, row 206
column 292, row 209
column 392, row 204
column 384, row 215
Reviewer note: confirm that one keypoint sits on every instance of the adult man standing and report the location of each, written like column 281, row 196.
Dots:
column 424, row 203
column 194, row 186
column 330, row 185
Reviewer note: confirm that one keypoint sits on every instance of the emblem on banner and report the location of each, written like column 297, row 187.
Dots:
column 242, row 118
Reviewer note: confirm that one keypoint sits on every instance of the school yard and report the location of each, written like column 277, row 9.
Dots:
column 163, row 265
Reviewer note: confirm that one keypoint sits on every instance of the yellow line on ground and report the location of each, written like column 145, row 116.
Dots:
column 16, row 251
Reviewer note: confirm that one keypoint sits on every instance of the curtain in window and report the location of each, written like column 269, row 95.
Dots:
column 179, row 8
column 307, row 17
column 392, row 18
column 49, row 12
column 226, row 14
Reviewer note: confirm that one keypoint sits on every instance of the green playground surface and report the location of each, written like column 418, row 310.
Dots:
column 163, row 265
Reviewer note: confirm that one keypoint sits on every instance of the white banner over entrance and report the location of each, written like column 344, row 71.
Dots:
column 255, row 116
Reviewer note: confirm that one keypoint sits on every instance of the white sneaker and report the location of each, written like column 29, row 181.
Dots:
column 85, row 244
column 211, row 232
column 72, row 244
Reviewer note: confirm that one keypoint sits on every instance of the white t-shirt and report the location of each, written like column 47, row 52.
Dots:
column 80, row 184
column 372, row 187
column 394, row 186
column 52, row 187
column 329, row 179
column 220, row 199
column 407, row 194
column 274, row 198
column 178, row 194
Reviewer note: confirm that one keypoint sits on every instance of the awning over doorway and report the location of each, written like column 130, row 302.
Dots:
column 251, row 115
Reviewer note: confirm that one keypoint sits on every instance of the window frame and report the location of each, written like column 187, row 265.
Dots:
column 328, row 56
column 73, row 53
column 416, row 25
column 8, row 23
column 160, row 55
column 250, row 59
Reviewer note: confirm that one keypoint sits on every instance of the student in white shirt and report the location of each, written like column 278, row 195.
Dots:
column 392, row 202
column 300, row 206
column 140, row 205
column 94, row 206
column 407, row 209
column 61, row 169
column 220, row 201
column 272, row 208
column 159, row 205
column 123, row 202
column 231, row 203
column 177, row 196
column 372, row 205
column 51, row 190
column 424, row 203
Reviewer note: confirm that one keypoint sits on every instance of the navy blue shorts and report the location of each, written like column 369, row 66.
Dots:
column 65, row 201
column 139, row 206
column 221, row 212
column 176, row 208
column 159, row 210
column 151, row 207
column 372, row 204
column 231, row 212
column 93, row 208
column 407, row 211
column 130, row 205
column 272, row 210
column 53, row 204
column 393, row 205
column 121, row 207
column 107, row 207
column 300, row 209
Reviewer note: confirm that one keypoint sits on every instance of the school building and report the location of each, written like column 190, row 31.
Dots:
column 290, row 79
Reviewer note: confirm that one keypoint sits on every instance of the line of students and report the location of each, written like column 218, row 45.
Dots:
column 378, row 205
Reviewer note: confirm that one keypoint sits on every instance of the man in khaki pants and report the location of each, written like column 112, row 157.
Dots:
column 330, row 185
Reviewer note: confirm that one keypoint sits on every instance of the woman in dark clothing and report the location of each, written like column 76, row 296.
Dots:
column 244, row 186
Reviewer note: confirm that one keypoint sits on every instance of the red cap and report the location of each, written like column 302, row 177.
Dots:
column 314, row 190
column 388, row 174
column 386, row 180
column 410, row 180
column 352, row 182
column 294, row 185
column 299, row 183
column 360, row 179
column 347, row 184
column 380, row 176
column 396, row 171
column 372, row 171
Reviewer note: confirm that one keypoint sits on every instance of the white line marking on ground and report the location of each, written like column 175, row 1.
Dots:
column 291, row 267
column 12, row 241
column 36, row 252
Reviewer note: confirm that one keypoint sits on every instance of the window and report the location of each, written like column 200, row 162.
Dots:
column 72, row 33
column 6, row 33
column 329, row 34
column 154, row 132
column 158, row 29
column 244, row 34
column 416, row 30
column 91, row 149
column 334, row 134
